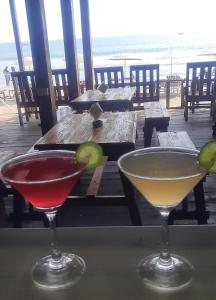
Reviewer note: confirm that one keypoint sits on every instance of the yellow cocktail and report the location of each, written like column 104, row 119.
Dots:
column 164, row 179
column 164, row 176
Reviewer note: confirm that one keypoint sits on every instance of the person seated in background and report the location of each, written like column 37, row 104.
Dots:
column 13, row 69
column 7, row 75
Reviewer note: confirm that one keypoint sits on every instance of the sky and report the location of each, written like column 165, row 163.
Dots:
column 120, row 17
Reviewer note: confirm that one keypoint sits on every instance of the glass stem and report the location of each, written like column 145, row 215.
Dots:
column 165, row 260
column 55, row 252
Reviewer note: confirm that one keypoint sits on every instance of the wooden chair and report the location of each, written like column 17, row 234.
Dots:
column 25, row 89
column 60, row 82
column 112, row 76
column 146, row 80
column 200, row 87
column 26, row 96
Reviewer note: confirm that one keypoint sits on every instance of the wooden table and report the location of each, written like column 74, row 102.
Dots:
column 115, row 99
column 111, row 256
column 116, row 136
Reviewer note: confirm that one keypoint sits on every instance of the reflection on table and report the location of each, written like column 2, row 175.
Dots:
column 111, row 255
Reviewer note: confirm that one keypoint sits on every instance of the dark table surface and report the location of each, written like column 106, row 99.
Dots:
column 111, row 255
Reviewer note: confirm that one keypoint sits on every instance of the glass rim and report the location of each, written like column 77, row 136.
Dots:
column 37, row 153
column 158, row 149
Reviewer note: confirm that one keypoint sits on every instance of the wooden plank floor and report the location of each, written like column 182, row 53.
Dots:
column 20, row 139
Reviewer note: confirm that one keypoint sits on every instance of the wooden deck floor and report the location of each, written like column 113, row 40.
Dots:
column 20, row 139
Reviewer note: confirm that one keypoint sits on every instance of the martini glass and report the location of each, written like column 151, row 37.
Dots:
column 45, row 179
column 164, row 176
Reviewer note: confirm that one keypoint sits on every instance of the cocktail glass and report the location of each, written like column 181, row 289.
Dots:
column 45, row 179
column 164, row 176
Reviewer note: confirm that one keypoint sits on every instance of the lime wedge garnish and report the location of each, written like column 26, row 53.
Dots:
column 91, row 154
column 207, row 157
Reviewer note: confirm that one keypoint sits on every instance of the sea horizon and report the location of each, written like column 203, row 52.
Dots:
column 151, row 48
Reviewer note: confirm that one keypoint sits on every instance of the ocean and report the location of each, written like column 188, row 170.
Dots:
column 165, row 49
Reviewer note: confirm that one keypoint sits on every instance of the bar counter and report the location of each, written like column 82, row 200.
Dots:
column 111, row 255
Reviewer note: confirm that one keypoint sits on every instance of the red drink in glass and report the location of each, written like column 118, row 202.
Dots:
column 44, row 181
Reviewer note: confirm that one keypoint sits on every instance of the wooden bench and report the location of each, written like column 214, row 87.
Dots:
column 182, row 139
column 175, row 139
column 156, row 116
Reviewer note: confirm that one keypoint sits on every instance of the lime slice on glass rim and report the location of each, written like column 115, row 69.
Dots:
column 91, row 154
column 207, row 157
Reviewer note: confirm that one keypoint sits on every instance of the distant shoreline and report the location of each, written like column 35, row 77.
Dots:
column 149, row 48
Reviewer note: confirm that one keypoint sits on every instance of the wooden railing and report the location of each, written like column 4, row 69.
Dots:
column 170, row 88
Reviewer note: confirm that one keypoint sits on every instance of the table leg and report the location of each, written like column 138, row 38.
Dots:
column 3, row 216
column 18, row 209
column 202, row 214
column 131, row 202
column 162, row 126
column 147, row 133
column 214, row 129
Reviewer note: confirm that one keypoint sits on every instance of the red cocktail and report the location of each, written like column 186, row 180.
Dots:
column 45, row 179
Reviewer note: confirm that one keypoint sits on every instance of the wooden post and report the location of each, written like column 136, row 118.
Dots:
column 214, row 129
column 167, row 93
column 16, row 34
column 41, row 62
column 86, row 39
column 182, row 93
column 70, row 48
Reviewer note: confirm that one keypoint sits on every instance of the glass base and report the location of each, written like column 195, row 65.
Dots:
column 175, row 274
column 50, row 274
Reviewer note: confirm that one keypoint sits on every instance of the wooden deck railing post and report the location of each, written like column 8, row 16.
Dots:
column 182, row 93
column 167, row 93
